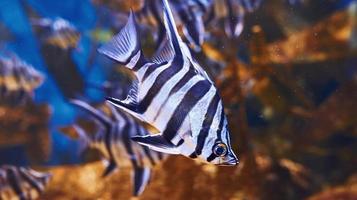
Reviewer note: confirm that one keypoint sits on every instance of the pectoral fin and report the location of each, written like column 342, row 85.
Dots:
column 157, row 143
column 126, row 106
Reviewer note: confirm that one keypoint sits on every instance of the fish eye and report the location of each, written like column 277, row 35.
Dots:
column 220, row 149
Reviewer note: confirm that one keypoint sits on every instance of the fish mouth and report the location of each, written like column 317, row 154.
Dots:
column 231, row 162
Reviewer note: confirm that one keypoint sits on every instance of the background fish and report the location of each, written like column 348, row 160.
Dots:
column 232, row 13
column 21, row 183
column 234, row 21
column 58, row 32
column 191, row 15
column 174, row 95
column 23, row 123
column 18, row 80
column 188, row 13
column 114, row 141
column 58, row 39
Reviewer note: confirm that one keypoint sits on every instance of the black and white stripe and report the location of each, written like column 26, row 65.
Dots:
column 116, row 145
column 21, row 183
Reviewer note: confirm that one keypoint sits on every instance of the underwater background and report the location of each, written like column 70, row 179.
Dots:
column 288, row 81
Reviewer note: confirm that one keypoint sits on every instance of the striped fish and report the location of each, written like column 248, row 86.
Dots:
column 117, row 147
column 173, row 94
column 17, row 80
column 21, row 183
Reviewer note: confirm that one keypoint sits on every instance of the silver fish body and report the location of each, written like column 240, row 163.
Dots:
column 173, row 94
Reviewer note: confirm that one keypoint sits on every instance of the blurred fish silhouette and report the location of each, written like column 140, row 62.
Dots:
column 22, row 122
column 150, row 15
column 108, row 88
column 58, row 39
column 173, row 94
column 18, row 80
column 21, row 183
column 58, row 32
column 189, row 13
column 233, row 23
column 232, row 13
column 115, row 144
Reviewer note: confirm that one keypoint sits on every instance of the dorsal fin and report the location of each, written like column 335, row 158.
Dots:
column 125, row 47
column 171, row 29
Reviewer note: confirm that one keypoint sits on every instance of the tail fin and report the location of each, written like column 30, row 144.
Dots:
column 125, row 47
